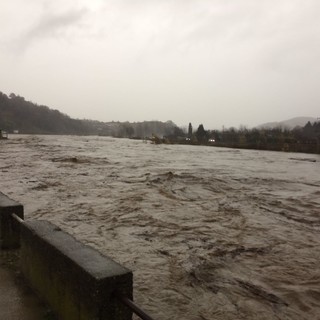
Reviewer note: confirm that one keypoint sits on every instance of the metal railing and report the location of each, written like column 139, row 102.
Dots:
column 132, row 306
column 17, row 218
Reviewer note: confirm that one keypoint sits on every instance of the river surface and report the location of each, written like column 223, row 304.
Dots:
column 210, row 233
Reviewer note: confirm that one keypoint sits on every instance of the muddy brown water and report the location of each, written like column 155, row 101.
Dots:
column 209, row 233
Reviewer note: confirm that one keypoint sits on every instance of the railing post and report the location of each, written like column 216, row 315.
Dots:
column 9, row 229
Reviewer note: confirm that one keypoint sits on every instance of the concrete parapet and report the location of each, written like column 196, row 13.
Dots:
column 77, row 281
column 9, row 229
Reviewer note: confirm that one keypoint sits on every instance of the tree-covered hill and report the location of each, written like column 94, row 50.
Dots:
column 27, row 117
column 17, row 114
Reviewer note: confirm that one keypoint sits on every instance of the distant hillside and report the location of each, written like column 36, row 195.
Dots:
column 29, row 118
column 288, row 124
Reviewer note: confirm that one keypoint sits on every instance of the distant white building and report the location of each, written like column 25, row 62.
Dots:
column 3, row 134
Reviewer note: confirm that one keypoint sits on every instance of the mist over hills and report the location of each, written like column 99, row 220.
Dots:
column 288, row 124
column 26, row 117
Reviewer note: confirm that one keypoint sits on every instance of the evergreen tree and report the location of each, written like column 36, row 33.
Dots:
column 202, row 134
column 190, row 130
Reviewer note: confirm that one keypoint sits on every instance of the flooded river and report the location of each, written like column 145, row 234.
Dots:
column 210, row 233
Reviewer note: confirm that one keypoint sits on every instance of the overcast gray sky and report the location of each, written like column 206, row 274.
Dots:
column 216, row 62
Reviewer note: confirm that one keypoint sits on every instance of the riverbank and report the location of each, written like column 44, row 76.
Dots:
column 311, row 148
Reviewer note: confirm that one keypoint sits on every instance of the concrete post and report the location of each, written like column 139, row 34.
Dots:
column 75, row 280
column 9, row 229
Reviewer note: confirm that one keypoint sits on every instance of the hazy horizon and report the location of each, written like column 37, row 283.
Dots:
column 212, row 62
column 290, row 123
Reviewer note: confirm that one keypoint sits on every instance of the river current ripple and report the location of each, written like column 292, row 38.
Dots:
column 210, row 233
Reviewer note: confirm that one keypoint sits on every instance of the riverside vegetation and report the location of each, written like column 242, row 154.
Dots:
column 300, row 139
column 19, row 115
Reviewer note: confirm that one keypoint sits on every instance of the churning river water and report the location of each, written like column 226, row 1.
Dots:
column 210, row 233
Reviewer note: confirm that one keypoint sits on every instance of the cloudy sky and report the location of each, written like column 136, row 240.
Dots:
column 216, row 62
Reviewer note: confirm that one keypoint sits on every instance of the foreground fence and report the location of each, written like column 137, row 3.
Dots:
column 75, row 280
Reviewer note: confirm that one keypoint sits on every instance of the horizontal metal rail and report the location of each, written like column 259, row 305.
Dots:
column 132, row 306
column 17, row 218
